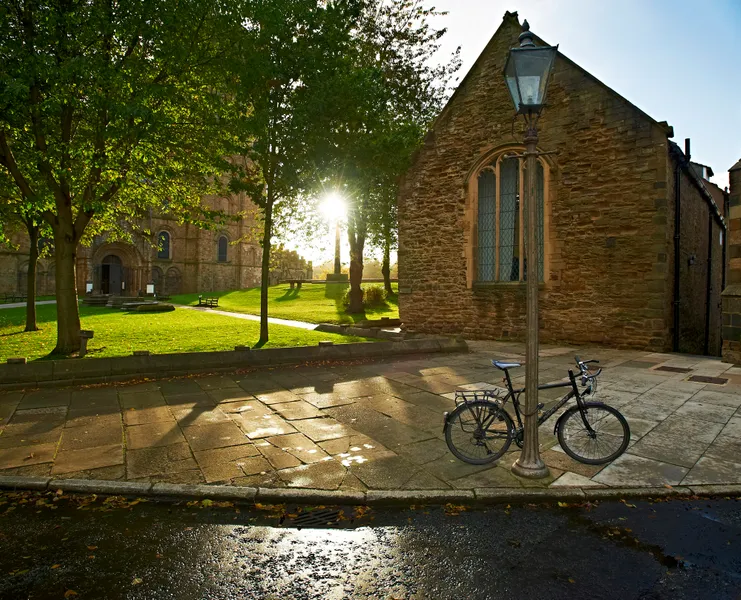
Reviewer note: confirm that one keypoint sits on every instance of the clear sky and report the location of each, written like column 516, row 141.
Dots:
column 677, row 60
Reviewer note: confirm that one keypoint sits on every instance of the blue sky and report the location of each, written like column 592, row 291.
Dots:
column 677, row 60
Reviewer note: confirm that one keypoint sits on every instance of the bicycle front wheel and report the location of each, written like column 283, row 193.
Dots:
column 608, row 438
column 478, row 432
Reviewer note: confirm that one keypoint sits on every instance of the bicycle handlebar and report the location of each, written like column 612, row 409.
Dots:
column 584, row 369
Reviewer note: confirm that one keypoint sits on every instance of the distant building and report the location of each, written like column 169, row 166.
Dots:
column 177, row 259
column 612, row 193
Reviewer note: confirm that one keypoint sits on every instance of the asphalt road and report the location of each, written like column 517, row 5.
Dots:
column 74, row 547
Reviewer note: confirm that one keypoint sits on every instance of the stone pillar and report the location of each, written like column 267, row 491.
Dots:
column 732, row 292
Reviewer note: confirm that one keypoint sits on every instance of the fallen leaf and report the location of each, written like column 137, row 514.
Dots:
column 137, row 581
column 92, row 547
column 563, row 504
column 70, row 593
column 206, row 502
column 55, row 566
column 572, row 580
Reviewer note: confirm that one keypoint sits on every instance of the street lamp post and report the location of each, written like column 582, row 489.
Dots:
column 333, row 207
column 527, row 74
column 337, row 262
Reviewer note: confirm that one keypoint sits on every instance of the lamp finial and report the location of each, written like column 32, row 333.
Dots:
column 526, row 37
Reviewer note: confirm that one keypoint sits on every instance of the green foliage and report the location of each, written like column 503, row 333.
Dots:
column 374, row 296
column 118, row 333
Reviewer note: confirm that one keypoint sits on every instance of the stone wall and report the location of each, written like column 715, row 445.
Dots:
column 14, row 267
column 732, row 293
column 607, row 278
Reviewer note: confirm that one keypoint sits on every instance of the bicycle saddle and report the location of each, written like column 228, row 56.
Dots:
column 504, row 365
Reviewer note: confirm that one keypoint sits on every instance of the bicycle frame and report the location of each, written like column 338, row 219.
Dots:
column 515, row 395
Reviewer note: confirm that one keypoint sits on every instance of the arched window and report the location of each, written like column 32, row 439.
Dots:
column 163, row 244
column 223, row 243
column 500, row 242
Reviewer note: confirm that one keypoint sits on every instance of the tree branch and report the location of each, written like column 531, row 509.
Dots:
column 8, row 161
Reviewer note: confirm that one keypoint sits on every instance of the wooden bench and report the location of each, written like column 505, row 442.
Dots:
column 208, row 302
column 294, row 283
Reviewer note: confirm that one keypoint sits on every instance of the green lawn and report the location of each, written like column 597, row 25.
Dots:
column 119, row 333
column 314, row 302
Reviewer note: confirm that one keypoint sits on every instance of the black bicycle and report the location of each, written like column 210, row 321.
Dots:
column 479, row 430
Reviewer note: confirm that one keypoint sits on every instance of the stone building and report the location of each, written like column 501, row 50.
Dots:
column 612, row 192
column 732, row 292
column 177, row 258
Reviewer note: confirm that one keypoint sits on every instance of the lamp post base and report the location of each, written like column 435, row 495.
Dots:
column 535, row 470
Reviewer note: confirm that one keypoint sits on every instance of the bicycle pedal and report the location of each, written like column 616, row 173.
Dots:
column 541, row 406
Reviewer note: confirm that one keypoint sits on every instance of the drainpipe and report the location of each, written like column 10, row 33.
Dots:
column 708, row 293
column 677, row 226
column 724, row 232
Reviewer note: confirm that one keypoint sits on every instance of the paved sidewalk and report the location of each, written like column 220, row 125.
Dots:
column 248, row 317
column 369, row 426
column 23, row 304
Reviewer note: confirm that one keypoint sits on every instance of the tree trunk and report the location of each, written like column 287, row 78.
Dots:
column 68, row 314
column 33, row 258
column 386, row 266
column 265, row 275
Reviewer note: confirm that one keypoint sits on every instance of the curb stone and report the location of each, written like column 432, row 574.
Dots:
column 478, row 496
column 24, row 483
column 390, row 497
column 222, row 492
column 309, row 496
column 716, row 490
column 494, row 495
column 97, row 486
column 657, row 492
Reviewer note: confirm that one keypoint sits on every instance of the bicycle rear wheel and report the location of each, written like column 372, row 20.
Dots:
column 608, row 439
column 478, row 432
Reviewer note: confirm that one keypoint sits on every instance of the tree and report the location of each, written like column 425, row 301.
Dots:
column 289, row 52
column 16, row 210
column 104, row 107
column 383, row 227
column 391, row 93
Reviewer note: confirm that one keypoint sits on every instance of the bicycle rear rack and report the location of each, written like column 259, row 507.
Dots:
column 467, row 396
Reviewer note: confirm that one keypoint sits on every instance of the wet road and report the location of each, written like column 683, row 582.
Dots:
column 73, row 547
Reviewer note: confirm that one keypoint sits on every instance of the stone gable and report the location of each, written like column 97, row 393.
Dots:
column 607, row 213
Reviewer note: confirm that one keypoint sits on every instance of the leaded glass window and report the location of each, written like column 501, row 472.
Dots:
column 509, row 220
column 487, row 225
column 501, row 230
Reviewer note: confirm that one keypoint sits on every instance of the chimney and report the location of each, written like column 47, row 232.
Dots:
column 687, row 148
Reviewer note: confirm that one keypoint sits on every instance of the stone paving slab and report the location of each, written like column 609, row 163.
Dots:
column 375, row 425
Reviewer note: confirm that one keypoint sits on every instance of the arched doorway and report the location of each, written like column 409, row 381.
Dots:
column 111, row 275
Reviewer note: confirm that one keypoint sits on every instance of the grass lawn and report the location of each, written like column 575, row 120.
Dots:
column 314, row 303
column 119, row 333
